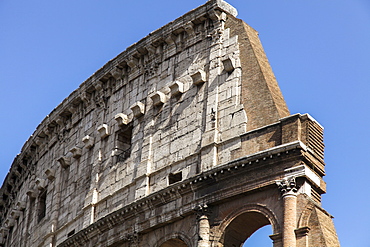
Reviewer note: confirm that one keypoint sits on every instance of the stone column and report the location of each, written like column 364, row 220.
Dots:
column 203, row 226
column 289, row 191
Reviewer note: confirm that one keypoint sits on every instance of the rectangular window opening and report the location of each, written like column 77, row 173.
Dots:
column 174, row 177
column 123, row 144
column 31, row 211
column 42, row 205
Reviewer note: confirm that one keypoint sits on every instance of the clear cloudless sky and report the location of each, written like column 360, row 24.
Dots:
column 318, row 50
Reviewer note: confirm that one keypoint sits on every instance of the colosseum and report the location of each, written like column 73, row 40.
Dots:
column 182, row 140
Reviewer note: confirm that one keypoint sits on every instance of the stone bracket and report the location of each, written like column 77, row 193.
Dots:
column 158, row 98
column 21, row 205
column 122, row 119
column 133, row 62
column 177, row 88
column 50, row 173
column 103, row 131
column 31, row 193
column 116, row 73
column 170, row 39
column 64, row 161
column 229, row 65
column 9, row 222
column 199, row 77
column 189, row 29
column 40, row 183
column 276, row 238
column 16, row 213
column 88, row 141
column 76, row 152
column 301, row 232
column 138, row 109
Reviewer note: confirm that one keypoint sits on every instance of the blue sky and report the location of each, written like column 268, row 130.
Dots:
column 319, row 51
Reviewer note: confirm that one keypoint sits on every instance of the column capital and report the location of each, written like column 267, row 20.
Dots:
column 288, row 186
column 204, row 231
column 202, row 210
column 133, row 239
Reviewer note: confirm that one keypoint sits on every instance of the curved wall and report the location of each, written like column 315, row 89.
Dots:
column 186, row 103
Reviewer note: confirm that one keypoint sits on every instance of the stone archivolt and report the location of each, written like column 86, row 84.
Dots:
column 164, row 143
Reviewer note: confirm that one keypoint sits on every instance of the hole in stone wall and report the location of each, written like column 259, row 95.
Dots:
column 9, row 238
column 122, row 147
column 71, row 233
column 31, row 210
column 42, row 205
column 174, row 177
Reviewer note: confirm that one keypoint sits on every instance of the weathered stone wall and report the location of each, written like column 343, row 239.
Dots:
column 136, row 154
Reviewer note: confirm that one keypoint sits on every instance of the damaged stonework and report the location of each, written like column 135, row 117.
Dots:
column 184, row 139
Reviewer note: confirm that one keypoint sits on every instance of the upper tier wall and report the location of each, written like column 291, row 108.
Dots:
column 192, row 95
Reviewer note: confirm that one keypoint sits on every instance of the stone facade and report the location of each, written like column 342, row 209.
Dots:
column 184, row 139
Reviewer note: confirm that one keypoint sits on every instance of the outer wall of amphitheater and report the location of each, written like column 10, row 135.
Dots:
column 184, row 139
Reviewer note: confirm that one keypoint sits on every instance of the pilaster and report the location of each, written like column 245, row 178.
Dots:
column 288, row 188
column 203, row 226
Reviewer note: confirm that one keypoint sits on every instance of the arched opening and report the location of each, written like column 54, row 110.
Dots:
column 242, row 227
column 174, row 243
column 260, row 238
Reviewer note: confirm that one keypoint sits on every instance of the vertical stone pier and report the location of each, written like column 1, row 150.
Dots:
column 289, row 194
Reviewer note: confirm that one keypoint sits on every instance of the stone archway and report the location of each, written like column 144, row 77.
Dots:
column 239, row 226
column 175, row 242
column 242, row 227
column 261, row 237
column 176, row 239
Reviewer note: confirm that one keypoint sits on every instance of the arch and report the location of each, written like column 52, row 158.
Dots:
column 261, row 237
column 174, row 242
column 177, row 239
column 243, row 222
column 305, row 215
